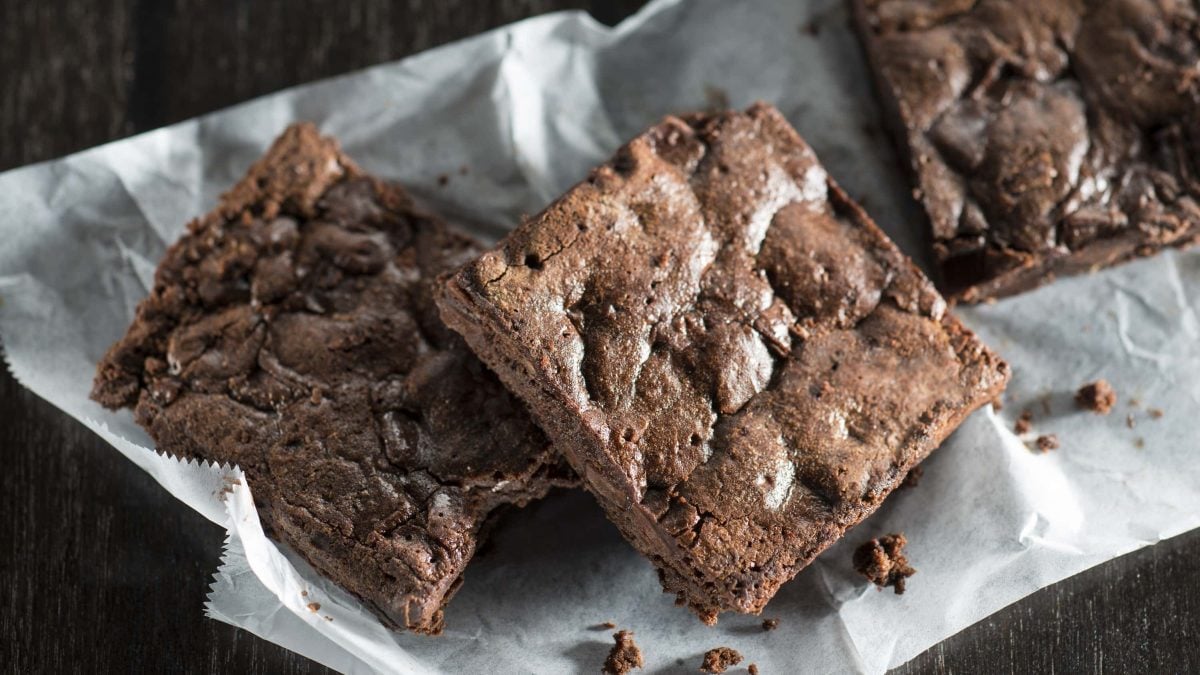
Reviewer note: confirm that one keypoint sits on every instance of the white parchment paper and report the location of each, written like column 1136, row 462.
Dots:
column 527, row 110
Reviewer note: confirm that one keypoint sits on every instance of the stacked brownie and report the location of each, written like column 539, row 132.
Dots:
column 736, row 361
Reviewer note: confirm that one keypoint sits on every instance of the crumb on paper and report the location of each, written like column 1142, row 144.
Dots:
column 717, row 99
column 719, row 659
column 1046, row 442
column 883, row 563
column 443, row 179
column 327, row 617
column 752, row 669
column 625, row 655
column 1135, row 402
column 1139, row 443
column 1097, row 397
column 304, row 594
column 607, row 625
column 998, row 404
column 913, row 478
column 1130, row 421
column 464, row 170
column 1045, row 401
column 314, row 607
column 1024, row 422
column 1155, row 413
column 770, row 624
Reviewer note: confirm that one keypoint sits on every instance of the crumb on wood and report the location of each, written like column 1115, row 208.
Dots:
column 913, row 478
column 770, row 624
column 625, row 655
column 719, row 659
column 1046, row 442
column 883, row 563
column 1097, row 397
column 1024, row 422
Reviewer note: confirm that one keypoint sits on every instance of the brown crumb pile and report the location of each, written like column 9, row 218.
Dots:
column 913, row 478
column 719, row 659
column 1097, row 396
column 625, row 655
column 883, row 562
column 1047, row 443
column 752, row 669
column 1024, row 422
column 770, row 624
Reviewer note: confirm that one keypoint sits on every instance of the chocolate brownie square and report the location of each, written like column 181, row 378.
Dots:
column 1046, row 137
column 292, row 331
column 738, row 363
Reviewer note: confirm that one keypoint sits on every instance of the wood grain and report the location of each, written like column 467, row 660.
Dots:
column 101, row 571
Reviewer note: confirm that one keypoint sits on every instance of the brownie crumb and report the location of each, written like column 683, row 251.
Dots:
column 720, row 659
column 1024, row 422
column 1139, row 443
column 770, row 624
column 1155, row 413
column 314, row 607
column 997, row 404
column 1097, row 396
column 913, row 478
column 443, row 179
column 883, row 562
column 1129, row 421
column 752, row 669
column 1047, row 442
column 625, row 655
column 608, row 625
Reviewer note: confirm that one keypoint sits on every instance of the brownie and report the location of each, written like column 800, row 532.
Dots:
column 738, row 363
column 1047, row 137
column 292, row 332
column 883, row 563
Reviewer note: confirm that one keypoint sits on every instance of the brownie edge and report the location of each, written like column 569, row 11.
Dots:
column 737, row 362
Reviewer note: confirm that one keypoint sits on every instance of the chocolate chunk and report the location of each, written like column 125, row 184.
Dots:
column 1045, row 138
column 883, row 563
column 1097, row 396
column 720, row 659
column 738, row 360
column 292, row 332
column 625, row 655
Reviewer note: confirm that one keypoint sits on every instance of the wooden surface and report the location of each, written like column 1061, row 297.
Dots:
column 102, row 571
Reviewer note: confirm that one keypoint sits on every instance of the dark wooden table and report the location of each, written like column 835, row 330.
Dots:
column 101, row 570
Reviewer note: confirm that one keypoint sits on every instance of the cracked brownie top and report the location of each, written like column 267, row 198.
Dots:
column 292, row 332
column 736, row 360
column 1047, row 136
